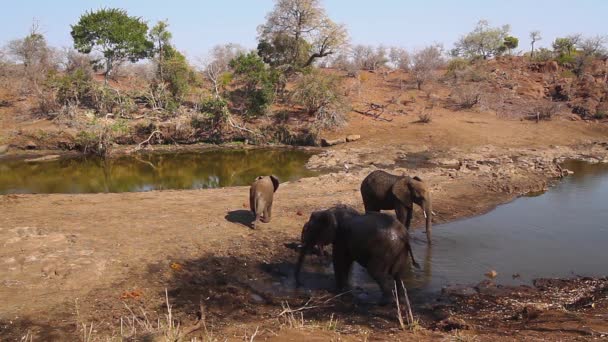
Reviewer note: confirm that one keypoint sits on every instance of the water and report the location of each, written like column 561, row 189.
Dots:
column 144, row 172
column 561, row 233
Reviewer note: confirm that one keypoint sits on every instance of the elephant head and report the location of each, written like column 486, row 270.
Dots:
column 319, row 230
column 322, row 229
column 410, row 190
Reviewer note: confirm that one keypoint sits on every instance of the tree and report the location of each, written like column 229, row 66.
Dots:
column 484, row 41
column 320, row 95
column 113, row 33
column 534, row 37
column 510, row 43
column 161, row 37
column 593, row 46
column 424, row 63
column 298, row 32
column 176, row 72
column 216, row 66
column 257, row 82
column 400, row 58
column 563, row 46
column 366, row 57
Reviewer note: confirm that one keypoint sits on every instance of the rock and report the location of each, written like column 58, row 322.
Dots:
column 332, row 142
column 458, row 291
column 530, row 312
column 30, row 145
column 352, row 137
column 445, row 162
column 491, row 274
column 257, row 298
column 3, row 149
column 452, row 323
column 43, row 158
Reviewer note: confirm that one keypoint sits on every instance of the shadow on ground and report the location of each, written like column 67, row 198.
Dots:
column 243, row 217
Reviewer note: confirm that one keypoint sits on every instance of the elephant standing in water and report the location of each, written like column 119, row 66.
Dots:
column 383, row 191
column 261, row 194
column 376, row 241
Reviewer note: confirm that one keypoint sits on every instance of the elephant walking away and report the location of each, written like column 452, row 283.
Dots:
column 261, row 194
column 376, row 241
column 384, row 191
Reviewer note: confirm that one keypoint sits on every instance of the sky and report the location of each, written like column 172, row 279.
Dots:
column 199, row 25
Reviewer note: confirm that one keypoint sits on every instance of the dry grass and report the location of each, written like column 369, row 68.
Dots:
column 425, row 118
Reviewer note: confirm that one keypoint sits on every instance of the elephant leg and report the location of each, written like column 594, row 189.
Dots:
column 343, row 262
column 268, row 213
column 377, row 273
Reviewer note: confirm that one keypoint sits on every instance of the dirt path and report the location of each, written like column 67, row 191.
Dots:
column 93, row 258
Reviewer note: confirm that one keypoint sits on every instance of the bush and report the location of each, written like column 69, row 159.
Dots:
column 425, row 118
column 600, row 115
column 256, row 83
column 466, row 97
column 457, row 64
column 544, row 112
column 543, row 55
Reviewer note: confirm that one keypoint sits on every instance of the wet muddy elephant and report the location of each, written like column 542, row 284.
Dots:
column 376, row 241
column 384, row 191
column 261, row 194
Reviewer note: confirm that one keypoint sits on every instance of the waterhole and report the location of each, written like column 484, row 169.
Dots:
column 154, row 171
column 560, row 233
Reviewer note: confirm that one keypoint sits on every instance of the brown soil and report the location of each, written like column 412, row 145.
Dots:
column 74, row 260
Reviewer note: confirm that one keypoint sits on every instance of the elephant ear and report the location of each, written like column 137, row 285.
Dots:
column 330, row 226
column 402, row 191
column 275, row 182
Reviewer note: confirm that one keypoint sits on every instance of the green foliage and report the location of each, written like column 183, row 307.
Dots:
column 176, row 72
column 112, row 31
column 511, row 42
column 565, row 59
column 563, row 46
column 600, row 115
column 257, row 82
column 73, row 87
column 214, row 106
column 457, row 64
column 543, row 55
column 316, row 90
column 279, row 50
column 483, row 42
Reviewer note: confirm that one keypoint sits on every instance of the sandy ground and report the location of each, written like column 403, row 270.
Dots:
column 69, row 260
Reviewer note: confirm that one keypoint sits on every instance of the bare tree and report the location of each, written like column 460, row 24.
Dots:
column 217, row 63
column 593, row 46
column 301, row 32
column 400, row 58
column 366, row 57
column 425, row 62
column 534, row 37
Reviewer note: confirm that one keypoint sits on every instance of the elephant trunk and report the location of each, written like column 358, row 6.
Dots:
column 428, row 214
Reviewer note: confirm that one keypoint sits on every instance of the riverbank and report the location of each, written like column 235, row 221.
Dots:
column 80, row 258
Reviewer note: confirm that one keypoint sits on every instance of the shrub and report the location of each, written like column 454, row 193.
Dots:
column 256, row 83
column 600, row 115
column 466, row 97
column 543, row 55
column 425, row 117
column 544, row 111
column 457, row 64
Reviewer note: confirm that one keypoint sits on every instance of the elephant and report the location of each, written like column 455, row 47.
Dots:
column 376, row 241
column 261, row 193
column 383, row 191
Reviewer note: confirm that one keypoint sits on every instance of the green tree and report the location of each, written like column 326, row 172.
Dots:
column 484, row 41
column 257, row 81
column 113, row 33
column 511, row 43
column 563, row 46
column 300, row 32
column 161, row 37
column 177, row 72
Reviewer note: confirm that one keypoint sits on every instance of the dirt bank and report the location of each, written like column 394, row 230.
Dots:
column 69, row 260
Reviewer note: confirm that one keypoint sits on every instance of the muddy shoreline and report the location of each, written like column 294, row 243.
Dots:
column 195, row 243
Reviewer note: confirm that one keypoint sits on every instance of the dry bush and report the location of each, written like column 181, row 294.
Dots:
column 466, row 97
column 544, row 111
column 425, row 117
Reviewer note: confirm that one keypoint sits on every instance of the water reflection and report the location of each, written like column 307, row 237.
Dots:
column 157, row 171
